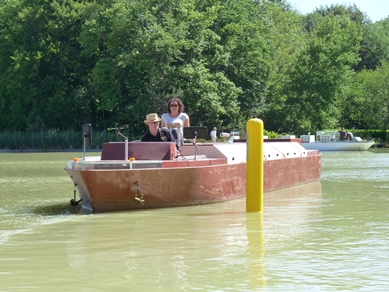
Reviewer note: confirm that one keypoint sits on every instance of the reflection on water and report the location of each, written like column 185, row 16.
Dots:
column 328, row 235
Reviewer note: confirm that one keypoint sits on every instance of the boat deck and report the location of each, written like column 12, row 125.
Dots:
column 163, row 155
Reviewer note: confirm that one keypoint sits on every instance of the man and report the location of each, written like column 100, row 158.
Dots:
column 155, row 133
column 213, row 135
column 342, row 135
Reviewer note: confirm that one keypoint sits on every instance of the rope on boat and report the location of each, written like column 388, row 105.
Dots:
column 139, row 195
column 74, row 202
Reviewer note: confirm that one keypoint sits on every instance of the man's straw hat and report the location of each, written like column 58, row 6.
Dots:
column 152, row 118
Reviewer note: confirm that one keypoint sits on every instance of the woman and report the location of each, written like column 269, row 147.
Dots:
column 175, row 119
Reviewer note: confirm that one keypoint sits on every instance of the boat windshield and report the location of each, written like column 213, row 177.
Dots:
column 327, row 136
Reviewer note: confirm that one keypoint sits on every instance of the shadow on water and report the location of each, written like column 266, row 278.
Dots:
column 57, row 209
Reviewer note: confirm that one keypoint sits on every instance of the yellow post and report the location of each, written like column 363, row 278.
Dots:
column 254, row 166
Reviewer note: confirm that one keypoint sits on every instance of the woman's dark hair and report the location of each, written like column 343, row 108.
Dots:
column 181, row 106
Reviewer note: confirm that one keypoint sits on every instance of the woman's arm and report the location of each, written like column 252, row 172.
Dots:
column 186, row 122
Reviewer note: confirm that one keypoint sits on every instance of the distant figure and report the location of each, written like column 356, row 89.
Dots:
column 342, row 134
column 213, row 135
column 350, row 136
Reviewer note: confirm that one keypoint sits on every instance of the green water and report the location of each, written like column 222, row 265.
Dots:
column 325, row 236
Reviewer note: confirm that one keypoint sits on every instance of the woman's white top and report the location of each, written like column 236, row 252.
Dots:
column 174, row 123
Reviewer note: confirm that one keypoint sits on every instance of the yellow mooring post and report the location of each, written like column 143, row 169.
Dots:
column 254, row 166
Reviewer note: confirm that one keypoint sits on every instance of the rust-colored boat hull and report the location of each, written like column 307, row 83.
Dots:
column 113, row 190
column 103, row 190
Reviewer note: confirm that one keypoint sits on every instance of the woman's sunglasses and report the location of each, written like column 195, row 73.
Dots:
column 173, row 105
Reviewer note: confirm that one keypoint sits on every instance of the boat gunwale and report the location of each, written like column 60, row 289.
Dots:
column 113, row 165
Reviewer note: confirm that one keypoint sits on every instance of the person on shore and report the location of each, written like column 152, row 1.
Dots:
column 342, row 134
column 175, row 119
column 213, row 135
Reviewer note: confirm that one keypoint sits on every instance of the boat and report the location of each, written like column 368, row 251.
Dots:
column 143, row 175
column 329, row 141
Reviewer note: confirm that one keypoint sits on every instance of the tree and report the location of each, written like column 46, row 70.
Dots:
column 368, row 105
column 65, row 63
column 323, row 75
column 288, row 40
column 211, row 54
column 44, row 81
column 374, row 45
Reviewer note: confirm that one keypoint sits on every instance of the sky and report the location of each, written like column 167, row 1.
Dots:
column 375, row 9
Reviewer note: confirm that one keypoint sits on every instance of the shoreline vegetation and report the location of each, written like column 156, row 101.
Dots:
column 48, row 150
column 93, row 150
column 109, row 63
column 72, row 141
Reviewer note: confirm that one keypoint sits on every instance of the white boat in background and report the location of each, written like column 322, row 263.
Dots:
column 329, row 141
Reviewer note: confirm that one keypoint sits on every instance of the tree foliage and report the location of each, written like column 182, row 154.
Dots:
column 374, row 45
column 321, row 75
column 42, row 73
column 67, row 62
column 369, row 100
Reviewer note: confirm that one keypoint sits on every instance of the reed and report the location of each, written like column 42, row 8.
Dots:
column 53, row 139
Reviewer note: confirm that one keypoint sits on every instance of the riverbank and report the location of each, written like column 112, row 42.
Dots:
column 47, row 150
column 99, row 149
column 380, row 146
